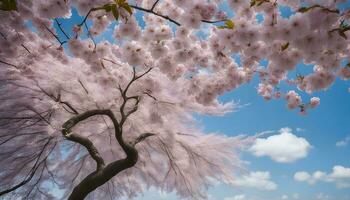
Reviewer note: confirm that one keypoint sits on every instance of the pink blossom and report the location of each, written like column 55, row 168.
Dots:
column 314, row 102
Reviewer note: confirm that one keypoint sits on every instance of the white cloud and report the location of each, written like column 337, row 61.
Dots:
column 340, row 176
column 284, row 197
column 259, row 179
column 322, row 196
column 284, row 147
column 302, row 176
column 343, row 143
column 340, row 172
column 237, row 197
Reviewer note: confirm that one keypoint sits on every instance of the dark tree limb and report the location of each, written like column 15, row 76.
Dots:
column 57, row 99
column 154, row 5
column 124, row 92
column 141, row 138
column 60, row 27
column 9, row 64
column 55, row 36
column 84, row 141
column 155, row 13
column 103, row 173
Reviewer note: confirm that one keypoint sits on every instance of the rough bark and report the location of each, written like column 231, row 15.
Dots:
column 98, row 178
column 103, row 172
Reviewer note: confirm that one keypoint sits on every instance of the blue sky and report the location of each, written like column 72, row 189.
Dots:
column 322, row 128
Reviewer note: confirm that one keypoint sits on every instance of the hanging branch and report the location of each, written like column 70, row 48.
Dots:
column 31, row 172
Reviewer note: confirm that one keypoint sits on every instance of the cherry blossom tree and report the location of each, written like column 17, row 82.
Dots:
column 104, row 119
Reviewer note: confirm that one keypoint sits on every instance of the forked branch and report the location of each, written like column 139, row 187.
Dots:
column 84, row 141
column 125, row 97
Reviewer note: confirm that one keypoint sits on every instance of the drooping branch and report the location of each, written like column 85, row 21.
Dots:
column 32, row 171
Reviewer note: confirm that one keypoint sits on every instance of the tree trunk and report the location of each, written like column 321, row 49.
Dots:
column 100, row 177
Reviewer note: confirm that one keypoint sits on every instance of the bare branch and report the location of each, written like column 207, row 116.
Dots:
column 126, row 98
column 58, row 100
column 213, row 22
column 82, row 85
column 154, row 5
column 9, row 64
column 84, row 141
column 87, row 15
column 141, row 138
column 26, row 48
column 157, row 14
column 55, row 36
column 31, row 173
column 60, row 27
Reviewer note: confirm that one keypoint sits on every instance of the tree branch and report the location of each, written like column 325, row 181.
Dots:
column 58, row 100
column 154, row 5
column 9, row 64
column 100, row 177
column 60, row 27
column 84, row 141
column 31, row 172
column 55, row 36
column 126, row 98
column 141, row 138
column 157, row 14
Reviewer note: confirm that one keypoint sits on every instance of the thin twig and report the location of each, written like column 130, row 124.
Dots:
column 157, row 14
column 154, row 5
column 213, row 22
column 82, row 85
column 53, row 34
column 6, row 63
column 60, row 27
